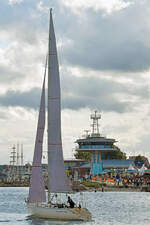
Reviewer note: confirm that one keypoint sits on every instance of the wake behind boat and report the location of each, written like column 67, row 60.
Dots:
column 57, row 179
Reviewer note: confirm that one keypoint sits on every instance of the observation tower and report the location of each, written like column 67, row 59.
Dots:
column 95, row 144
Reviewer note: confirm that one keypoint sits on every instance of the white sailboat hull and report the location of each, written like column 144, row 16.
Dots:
column 47, row 212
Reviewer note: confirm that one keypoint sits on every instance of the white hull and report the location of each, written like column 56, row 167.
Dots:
column 47, row 212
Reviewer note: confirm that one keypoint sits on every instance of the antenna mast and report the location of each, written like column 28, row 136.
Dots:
column 95, row 125
column 12, row 162
column 21, row 154
column 13, row 156
column 17, row 154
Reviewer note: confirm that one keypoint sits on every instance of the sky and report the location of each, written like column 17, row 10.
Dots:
column 104, row 57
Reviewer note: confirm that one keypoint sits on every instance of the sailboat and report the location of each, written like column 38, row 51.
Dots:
column 38, row 203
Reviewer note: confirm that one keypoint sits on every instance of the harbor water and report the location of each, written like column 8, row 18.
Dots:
column 107, row 208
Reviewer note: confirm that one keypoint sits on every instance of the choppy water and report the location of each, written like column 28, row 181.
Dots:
column 107, row 208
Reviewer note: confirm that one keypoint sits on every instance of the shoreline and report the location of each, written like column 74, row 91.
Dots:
column 13, row 185
column 117, row 189
column 82, row 188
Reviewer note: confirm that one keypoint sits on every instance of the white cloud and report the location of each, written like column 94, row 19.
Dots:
column 23, row 44
column 22, row 56
column 129, row 129
column 108, row 6
column 12, row 2
column 41, row 7
column 18, row 125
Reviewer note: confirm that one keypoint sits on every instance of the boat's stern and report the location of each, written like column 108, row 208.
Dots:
column 82, row 214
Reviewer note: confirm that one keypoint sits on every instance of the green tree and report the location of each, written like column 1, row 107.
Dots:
column 139, row 158
column 83, row 155
column 118, row 154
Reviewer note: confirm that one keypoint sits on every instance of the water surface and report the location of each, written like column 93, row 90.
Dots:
column 107, row 208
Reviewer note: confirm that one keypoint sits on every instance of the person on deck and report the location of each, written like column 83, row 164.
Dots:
column 71, row 202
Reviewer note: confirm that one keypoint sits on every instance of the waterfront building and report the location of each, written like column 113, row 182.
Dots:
column 96, row 144
column 109, row 166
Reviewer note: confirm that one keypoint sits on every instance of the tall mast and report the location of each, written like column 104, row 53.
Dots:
column 17, row 167
column 13, row 161
column 21, row 154
column 17, row 154
column 48, row 125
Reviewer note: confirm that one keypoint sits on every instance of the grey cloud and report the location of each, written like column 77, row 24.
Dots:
column 79, row 92
column 29, row 99
column 7, row 74
column 128, row 57
column 99, row 103
column 114, row 42
column 21, row 23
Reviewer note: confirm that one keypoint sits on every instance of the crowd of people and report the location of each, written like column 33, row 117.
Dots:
column 124, row 179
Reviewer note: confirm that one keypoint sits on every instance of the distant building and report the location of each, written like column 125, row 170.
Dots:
column 85, row 169
column 96, row 144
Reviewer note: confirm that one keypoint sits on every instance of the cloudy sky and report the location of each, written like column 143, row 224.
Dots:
column 104, row 56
